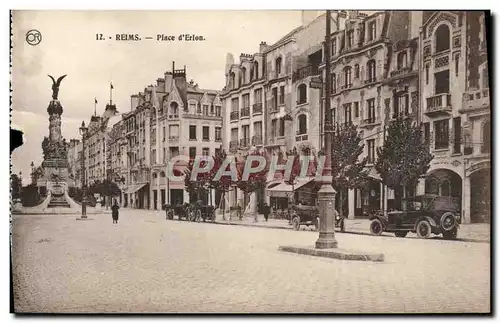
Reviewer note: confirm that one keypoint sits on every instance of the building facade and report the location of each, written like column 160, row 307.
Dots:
column 456, row 109
column 170, row 118
column 429, row 67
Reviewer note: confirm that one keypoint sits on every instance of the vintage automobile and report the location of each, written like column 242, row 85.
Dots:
column 423, row 214
column 309, row 215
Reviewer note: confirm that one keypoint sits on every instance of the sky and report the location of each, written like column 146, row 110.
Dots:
column 69, row 46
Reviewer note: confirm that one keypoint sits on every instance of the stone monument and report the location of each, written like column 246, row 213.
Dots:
column 55, row 164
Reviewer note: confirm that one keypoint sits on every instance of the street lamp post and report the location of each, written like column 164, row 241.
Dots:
column 83, row 133
column 326, row 194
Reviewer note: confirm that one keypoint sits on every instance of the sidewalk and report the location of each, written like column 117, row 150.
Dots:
column 467, row 232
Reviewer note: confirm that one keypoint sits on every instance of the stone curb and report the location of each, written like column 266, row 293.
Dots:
column 336, row 253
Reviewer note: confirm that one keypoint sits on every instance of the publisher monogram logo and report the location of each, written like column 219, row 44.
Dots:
column 33, row 37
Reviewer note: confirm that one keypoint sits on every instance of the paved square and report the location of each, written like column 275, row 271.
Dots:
column 148, row 264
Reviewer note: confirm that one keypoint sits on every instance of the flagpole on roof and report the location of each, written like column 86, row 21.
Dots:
column 111, row 93
column 95, row 106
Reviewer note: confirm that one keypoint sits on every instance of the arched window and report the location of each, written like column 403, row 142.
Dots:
column 302, row 94
column 243, row 75
column 155, row 175
column 402, row 60
column 371, row 71
column 302, row 124
column 256, row 70
column 177, row 172
column 278, row 66
column 347, row 76
column 162, row 174
column 356, row 71
column 174, row 108
column 442, row 38
column 485, row 148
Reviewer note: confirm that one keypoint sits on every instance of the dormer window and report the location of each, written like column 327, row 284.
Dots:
column 334, row 46
column 350, row 38
column 256, row 70
column 347, row 76
column 402, row 60
column 372, row 30
column 278, row 66
column 233, row 81
column 243, row 75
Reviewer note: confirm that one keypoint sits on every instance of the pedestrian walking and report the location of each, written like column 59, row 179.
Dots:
column 114, row 212
column 266, row 210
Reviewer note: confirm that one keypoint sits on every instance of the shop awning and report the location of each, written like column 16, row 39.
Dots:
column 134, row 188
column 285, row 190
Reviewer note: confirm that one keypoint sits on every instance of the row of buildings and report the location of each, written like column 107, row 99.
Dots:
column 429, row 66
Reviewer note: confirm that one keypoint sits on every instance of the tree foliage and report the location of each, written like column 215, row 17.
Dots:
column 197, row 187
column 404, row 157
column 347, row 168
column 15, row 184
column 255, row 180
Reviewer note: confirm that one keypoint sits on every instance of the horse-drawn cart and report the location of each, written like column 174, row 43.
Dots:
column 179, row 210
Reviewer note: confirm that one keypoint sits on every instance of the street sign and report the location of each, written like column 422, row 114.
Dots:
column 315, row 85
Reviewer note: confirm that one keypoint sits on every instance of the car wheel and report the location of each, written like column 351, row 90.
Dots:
column 450, row 235
column 316, row 223
column 296, row 223
column 376, row 227
column 424, row 229
column 400, row 234
column 448, row 221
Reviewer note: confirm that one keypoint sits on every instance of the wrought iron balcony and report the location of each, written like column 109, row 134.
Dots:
column 244, row 142
column 401, row 72
column 476, row 100
column 442, row 60
column 370, row 121
column 257, row 108
column 233, row 145
column 245, row 112
column 301, row 137
column 309, row 70
column 257, row 140
column 234, row 116
column 438, row 104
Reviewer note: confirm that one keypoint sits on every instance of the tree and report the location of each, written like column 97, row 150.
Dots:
column 255, row 180
column 36, row 174
column 404, row 157
column 225, row 183
column 15, row 184
column 347, row 168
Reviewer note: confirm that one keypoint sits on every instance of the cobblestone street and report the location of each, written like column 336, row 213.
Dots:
column 148, row 264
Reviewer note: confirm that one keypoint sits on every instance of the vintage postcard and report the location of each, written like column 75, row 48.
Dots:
column 334, row 161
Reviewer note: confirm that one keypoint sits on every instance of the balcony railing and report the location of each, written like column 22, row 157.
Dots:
column 370, row 121
column 173, row 139
column 234, row 116
column 218, row 139
column 401, row 72
column 257, row 140
column 244, row 142
column 438, row 104
column 245, row 112
column 233, row 145
column 442, row 61
column 301, row 137
column 257, row 108
column 476, row 100
column 371, row 80
column 173, row 116
column 309, row 70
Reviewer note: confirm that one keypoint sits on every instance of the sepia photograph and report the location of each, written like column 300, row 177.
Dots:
column 250, row 162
